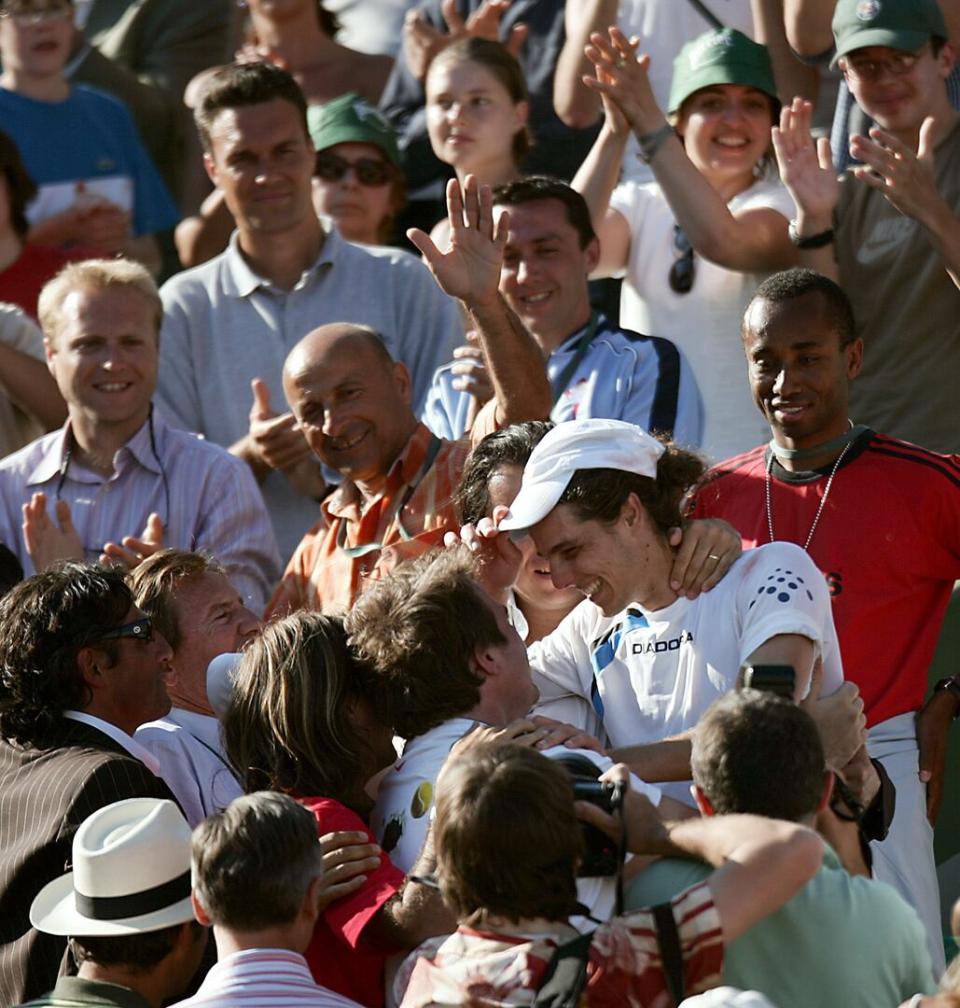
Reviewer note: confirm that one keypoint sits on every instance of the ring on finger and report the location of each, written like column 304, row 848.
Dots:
column 712, row 556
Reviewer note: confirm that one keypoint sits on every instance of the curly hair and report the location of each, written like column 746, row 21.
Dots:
column 419, row 629
column 44, row 623
column 286, row 728
column 599, row 494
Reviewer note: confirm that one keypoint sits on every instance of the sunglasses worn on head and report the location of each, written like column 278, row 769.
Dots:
column 368, row 171
column 682, row 270
column 141, row 629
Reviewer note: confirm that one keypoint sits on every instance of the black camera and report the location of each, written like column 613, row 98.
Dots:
column 601, row 854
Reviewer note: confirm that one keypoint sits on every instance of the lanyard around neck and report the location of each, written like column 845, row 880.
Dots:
column 561, row 382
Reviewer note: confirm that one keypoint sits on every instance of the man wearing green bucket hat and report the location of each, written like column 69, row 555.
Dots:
column 694, row 245
column 357, row 182
column 888, row 230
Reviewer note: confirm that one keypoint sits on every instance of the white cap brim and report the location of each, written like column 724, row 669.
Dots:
column 534, row 502
column 54, row 911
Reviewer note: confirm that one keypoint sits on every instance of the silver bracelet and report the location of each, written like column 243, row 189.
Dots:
column 650, row 143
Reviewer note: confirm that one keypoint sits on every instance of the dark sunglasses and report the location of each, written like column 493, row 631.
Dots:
column 682, row 271
column 368, row 172
column 141, row 629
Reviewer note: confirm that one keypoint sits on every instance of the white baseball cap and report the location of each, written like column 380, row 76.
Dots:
column 131, row 874
column 578, row 444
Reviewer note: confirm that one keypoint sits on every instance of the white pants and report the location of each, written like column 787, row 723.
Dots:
column 905, row 859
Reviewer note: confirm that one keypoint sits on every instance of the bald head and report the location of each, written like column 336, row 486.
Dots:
column 351, row 399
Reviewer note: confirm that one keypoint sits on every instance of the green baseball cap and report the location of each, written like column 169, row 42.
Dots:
column 907, row 25
column 720, row 57
column 351, row 119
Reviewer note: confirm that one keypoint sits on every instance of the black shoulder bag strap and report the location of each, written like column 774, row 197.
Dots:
column 566, row 975
column 670, row 953
column 715, row 23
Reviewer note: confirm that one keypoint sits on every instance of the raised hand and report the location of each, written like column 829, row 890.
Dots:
column 276, row 437
column 470, row 369
column 806, row 169
column 470, row 270
column 131, row 552
column 623, row 81
column 48, row 540
column 496, row 556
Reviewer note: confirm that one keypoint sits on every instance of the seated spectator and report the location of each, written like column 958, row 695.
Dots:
column 81, row 669
column 694, row 245
column 30, row 402
column 237, row 317
column 24, row 267
column 477, row 110
column 508, row 845
column 595, row 369
column 191, row 601
column 352, row 402
column 759, row 754
column 301, row 721
column 357, row 182
column 98, row 187
column 125, row 908
column 115, row 467
column 263, row 907
column 599, row 498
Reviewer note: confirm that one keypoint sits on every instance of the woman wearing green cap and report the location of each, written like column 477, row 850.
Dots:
column 695, row 244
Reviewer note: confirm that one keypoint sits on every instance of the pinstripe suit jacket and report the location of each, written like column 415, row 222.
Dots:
column 45, row 794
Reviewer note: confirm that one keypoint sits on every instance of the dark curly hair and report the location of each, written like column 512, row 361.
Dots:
column 20, row 185
column 44, row 622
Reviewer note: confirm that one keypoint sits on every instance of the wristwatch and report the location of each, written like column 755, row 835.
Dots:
column 808, row 241
column 950, row 684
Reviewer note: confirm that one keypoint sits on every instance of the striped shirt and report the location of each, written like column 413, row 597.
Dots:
column 355, row 540
column 624, row 966
column 263, row 978
column 208, row 500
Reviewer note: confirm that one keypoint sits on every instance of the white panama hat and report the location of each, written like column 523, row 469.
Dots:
column 131, row 874
column 578, row 444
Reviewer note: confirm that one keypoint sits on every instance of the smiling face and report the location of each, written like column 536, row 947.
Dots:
column 726, row 130
column 508, row 687
column 351, row 401
column 104, row 356
column 799, row 373
column 611, row 564
column 899, row 102
column 471, row 117
column 261, row 158
column 358, row 210
column 545, row 270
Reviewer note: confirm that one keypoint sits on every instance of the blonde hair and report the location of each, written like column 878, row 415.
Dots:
column 95, row 275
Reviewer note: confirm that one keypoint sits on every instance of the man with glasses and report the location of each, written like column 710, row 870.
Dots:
column 98, row 187
column 115, row 467
column 80, row 669
column 888, row 230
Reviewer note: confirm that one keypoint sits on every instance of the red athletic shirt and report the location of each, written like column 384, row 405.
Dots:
column 888, row 543
column 339, row 955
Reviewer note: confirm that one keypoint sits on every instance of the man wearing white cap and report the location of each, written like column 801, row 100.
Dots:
column 126, row 909
column 599, row 498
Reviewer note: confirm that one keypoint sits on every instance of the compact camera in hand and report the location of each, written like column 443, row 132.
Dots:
column 602, row 855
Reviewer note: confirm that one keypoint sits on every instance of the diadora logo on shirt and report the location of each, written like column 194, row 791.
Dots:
column 661, row 646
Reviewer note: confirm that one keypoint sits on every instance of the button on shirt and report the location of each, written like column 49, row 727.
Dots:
column 214, row 504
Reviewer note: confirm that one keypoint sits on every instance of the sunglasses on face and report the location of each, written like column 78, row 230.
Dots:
column 141, row 629
column 683, row 269
column 367, row 171
column 897, row 64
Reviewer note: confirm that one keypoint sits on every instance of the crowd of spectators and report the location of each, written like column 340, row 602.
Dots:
column 479, row 499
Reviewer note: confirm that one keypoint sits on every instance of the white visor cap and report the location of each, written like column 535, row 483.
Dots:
column 578, row 444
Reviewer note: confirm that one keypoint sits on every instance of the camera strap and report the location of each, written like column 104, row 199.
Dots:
column 566, row 974
column 671, row 955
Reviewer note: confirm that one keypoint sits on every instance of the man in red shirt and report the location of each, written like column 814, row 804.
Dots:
column 881, row 519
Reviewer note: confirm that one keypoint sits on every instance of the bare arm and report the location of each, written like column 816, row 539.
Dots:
column 788, row 649
column 575, row 104
column 205, row 234
column 807, row 24
column 792, row 76
column 752, row 240
column 667, row 760
column 470, row 271
column 31, row 386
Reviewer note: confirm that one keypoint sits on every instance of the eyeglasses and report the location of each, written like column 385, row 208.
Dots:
column 868, row 70
column 25, row 14
column 682, row 270
column 141, row 629
column 368, row 172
